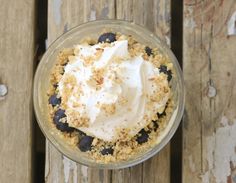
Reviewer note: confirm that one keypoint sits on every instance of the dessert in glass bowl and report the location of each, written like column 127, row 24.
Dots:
column 108, row 94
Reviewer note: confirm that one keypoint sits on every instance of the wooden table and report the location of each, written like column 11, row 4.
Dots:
column 206, row 144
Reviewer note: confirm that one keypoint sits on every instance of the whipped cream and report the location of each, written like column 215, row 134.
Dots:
column 107, row 93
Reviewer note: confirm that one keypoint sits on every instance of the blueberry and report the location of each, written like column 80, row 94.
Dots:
column 64, row 64
column 63, row 71
column 59, row 114
column 142, row 136
column 85, row 143
column 64, row 127
column 163, row 69
column 148, row 50
column 55, row 86
column 161, row 115
column 108, row 37
column 53, row 100
column 155, row 125
column 107, row 151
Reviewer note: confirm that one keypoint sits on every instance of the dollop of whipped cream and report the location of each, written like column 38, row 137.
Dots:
column 110, row 95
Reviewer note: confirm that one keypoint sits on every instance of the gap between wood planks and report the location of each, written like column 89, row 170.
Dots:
column 41, row 36
column 176, row 46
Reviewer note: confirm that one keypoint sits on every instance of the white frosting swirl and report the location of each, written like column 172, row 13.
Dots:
column 119, row 99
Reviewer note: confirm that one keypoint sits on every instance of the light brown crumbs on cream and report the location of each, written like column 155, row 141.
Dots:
column 87, row 61
column 123, row 134
column 122, row 101
column 97, row 78
column 72, row 59
column 98, row 75
column 108, row 108
column 77, row 120
column 117, row 59
column 126, row 147
column 105, row 45
column 69, row 84
column 114, row 77
column 76, row 51
column 98, row 53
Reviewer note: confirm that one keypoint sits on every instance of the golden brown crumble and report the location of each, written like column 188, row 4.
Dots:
column 126, row 147
column 108, row 108
column 122, row 101
column 76, row 119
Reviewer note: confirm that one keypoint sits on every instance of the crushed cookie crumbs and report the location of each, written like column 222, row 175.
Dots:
column 126, row 147
column 108, row 108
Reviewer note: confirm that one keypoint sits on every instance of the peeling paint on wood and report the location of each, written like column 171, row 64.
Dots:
column 189, row 20
column 232, row 176
column 57, row 11
column 221, row 152
column 66, row 164
column 210, row 79
column 105, row 12
column 92, row 15
column 232, row 25
column 3, row 90
column 84, row 173
column 69, row 168
column 211, row 91
column 191, row 163
column 65, row 28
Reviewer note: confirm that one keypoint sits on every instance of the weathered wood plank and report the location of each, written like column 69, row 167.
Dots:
column 209, row 146
column 155, row 15
column 16, row 72
column 63, row 15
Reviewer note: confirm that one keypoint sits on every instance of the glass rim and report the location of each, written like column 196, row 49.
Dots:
column 148, row 154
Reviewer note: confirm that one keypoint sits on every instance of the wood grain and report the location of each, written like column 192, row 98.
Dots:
column 63, row 15
column 209, row 146
column 16, row 71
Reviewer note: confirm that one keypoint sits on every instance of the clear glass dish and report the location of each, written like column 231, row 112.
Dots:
column 74, row 36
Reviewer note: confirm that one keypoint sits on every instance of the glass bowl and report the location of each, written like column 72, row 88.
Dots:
column 74, row 36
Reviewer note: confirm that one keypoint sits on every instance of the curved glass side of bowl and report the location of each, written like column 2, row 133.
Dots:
column 73, row 37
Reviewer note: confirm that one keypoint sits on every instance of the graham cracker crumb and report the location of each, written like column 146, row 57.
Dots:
column 108, row 108
column 126, row 147
column 122, row 101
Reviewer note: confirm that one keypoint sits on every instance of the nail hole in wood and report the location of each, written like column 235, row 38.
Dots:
column 3, row 90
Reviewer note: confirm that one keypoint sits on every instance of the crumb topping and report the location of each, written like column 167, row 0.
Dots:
column 127, row 146
column 108, row 108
